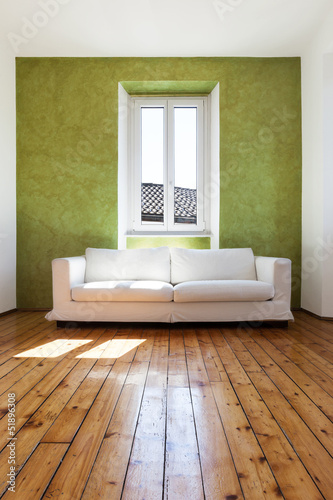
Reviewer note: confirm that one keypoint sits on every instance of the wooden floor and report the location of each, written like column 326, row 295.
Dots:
column 166, row 411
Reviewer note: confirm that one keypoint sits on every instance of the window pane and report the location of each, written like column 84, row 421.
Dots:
column 152, row 151
column 185, row 209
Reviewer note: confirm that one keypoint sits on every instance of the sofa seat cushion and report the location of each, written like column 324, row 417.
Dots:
column 223, row 291
column 223, row 264
column 123, row 291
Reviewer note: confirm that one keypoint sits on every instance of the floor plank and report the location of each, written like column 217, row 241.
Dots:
column 17, row 324
column 167, row 412
column 109, row 471
column 300, row 419
column 310, row 401
column 220, row 477
column 305, row 363
column 43, row 363
column 144, row 477
column 182, row 461
column 35, row 476
column 314, row 325
column 255, row 476
column 291, row 475
column 74, row 471
column 54, row 391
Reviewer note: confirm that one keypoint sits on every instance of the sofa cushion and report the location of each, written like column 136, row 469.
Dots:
column 137, row 264
column 120, row 291
column 223, row 291
column 224, row 264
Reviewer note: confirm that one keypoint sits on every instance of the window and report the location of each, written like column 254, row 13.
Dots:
column 169, row 158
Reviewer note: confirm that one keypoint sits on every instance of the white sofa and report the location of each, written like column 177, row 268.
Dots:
column 171, row 285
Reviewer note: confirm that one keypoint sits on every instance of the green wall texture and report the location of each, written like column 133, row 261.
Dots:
column 168, row 241
column 67, row 119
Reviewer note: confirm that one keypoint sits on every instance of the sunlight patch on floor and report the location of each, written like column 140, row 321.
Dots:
column 53, row 349
column 110, row 349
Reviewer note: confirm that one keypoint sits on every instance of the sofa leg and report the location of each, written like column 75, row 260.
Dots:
column 70, row 324
column 264, row 323
column 61, row 324
column 279, row 324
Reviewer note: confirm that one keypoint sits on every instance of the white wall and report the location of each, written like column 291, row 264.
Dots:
column 317, row 248
column 7, row 181
column 87, row 28
column 327, row 309
column 124, row 113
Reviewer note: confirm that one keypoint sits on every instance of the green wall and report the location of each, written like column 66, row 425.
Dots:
column 168, row 241
column 67, row 114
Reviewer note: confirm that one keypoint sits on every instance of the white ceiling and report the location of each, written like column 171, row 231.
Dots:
column 161, row 27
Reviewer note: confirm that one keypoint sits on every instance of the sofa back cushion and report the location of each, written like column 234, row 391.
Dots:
column 137, row 264
column 224, row 264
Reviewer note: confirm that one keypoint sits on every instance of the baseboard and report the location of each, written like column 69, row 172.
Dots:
column 323, row 318
column 8, row 312
column 34, row 309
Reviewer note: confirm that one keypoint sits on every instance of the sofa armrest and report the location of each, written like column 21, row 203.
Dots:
column 278, row 272
column 66, row 273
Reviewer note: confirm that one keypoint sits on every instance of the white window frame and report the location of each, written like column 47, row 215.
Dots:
column 168, row 103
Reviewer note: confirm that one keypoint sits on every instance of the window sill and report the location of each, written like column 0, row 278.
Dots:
column 169, row 234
